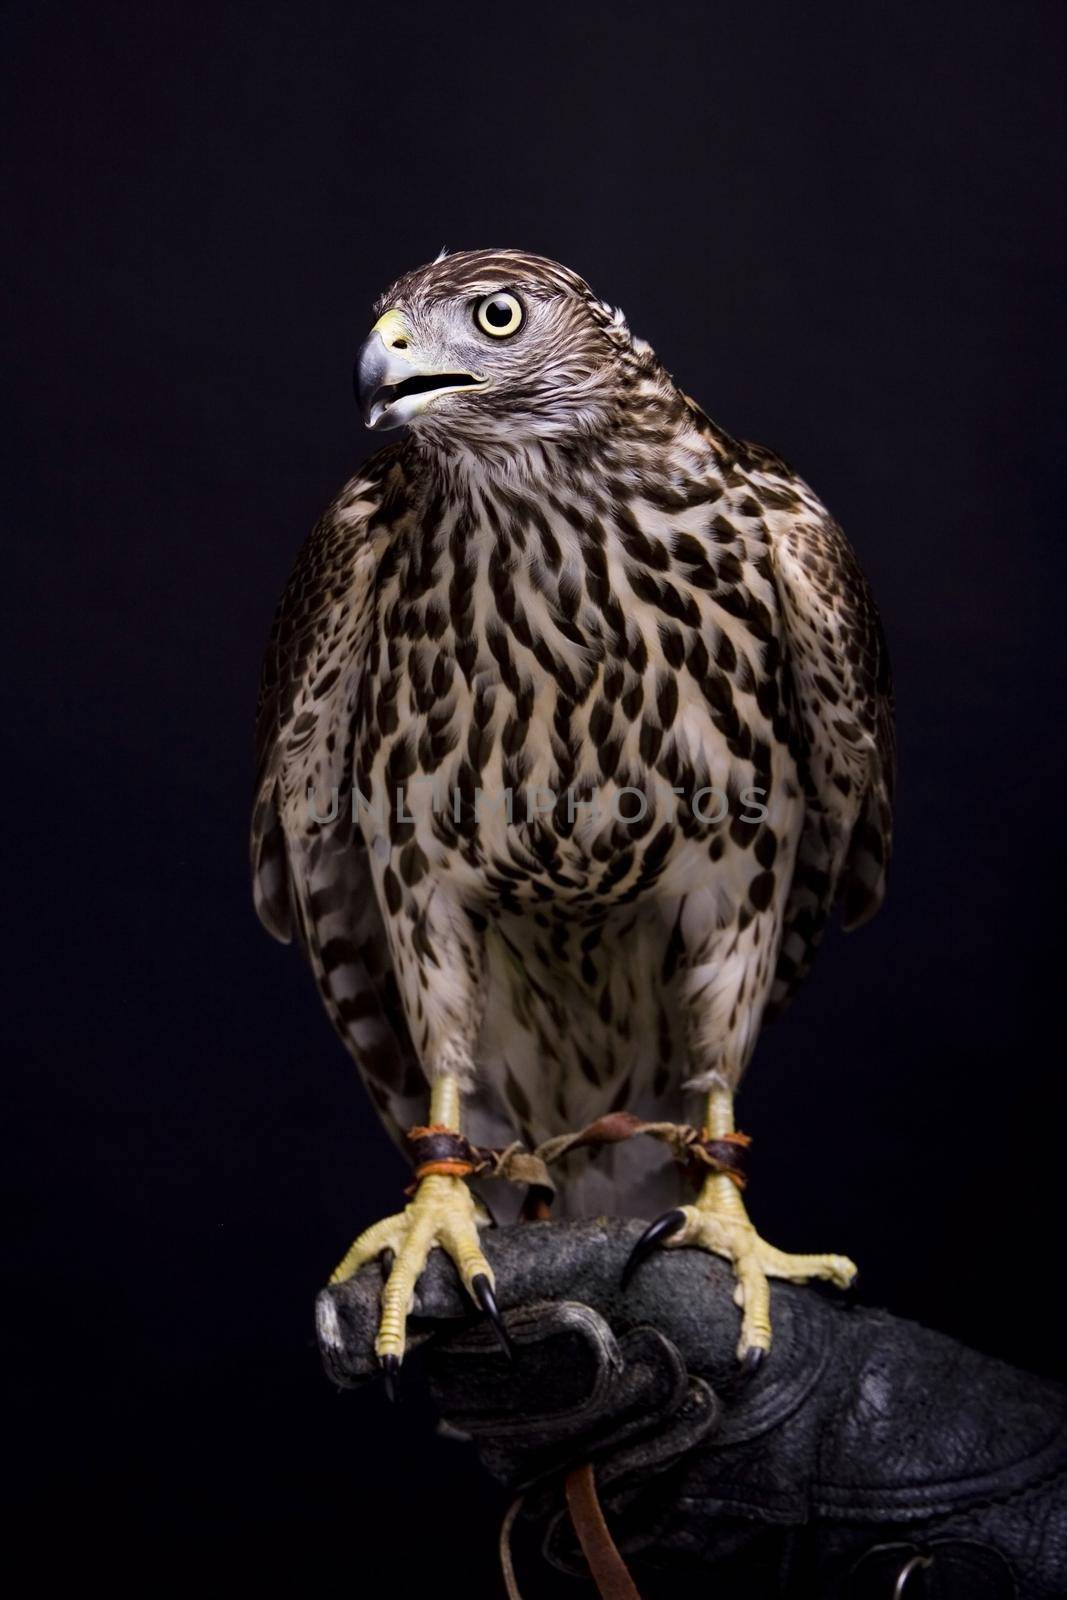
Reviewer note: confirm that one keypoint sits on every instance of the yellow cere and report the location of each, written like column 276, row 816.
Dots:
column 391, row 326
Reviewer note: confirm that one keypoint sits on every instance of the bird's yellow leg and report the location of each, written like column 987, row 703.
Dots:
column 719, row 1222
column 442, row 1212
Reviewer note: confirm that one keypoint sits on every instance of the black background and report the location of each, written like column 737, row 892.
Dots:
column 838, row 226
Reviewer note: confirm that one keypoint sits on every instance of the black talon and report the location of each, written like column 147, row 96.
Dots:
column 751, row 1362
column 385, row 1261
column 482, row 1291
column 653, row 1235
column 390, row 1374
column 742, row 1375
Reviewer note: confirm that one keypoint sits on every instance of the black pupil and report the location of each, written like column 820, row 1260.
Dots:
column 499, row 313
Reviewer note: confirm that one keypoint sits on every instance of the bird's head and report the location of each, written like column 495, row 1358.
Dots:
column 491, row 345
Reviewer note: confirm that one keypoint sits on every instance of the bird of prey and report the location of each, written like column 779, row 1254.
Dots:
column 575, row 725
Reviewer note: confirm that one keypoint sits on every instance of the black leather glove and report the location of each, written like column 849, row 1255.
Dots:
column 865, row 1447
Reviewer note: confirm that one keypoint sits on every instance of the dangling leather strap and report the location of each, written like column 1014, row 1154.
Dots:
column 606, row 1566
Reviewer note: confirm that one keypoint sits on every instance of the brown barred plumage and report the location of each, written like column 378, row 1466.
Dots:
column 566, row 579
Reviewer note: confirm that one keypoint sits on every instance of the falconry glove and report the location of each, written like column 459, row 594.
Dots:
column 867, row 1459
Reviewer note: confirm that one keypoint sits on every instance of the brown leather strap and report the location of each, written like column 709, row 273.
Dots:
column 694, row 1148
column 441, row 1150
column 606, row 1566
column 438, row 1149
column 507, row 1566
column 726, row 1155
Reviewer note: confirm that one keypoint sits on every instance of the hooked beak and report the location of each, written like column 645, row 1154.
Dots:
column 390, row 388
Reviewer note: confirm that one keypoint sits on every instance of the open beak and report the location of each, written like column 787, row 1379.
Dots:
column 390, row 388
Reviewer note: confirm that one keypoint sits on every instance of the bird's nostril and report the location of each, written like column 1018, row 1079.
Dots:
column 400, row 344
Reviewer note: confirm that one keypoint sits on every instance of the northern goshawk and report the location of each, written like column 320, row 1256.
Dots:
column 575, row 724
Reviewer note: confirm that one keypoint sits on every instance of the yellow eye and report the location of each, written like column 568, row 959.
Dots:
column 498, row 315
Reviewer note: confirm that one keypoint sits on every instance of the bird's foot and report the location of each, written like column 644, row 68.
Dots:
column 725, row 1230
column 442, row 1212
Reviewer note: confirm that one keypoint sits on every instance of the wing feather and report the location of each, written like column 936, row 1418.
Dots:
column 841, row 707
column 310, row 872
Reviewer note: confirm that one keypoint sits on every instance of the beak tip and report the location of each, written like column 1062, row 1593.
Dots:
column 368, row 377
